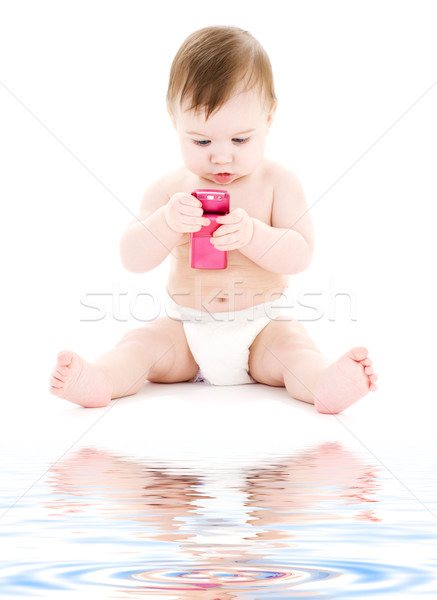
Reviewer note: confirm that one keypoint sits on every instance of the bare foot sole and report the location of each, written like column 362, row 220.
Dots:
column 345, row 381
column 78, row 381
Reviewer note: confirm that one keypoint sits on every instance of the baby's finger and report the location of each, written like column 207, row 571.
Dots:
column 183, row 198
column 191, row 211
column 225, row 230
column 228, row 219
column 199, row 221
column 228, row 240
column 192, row 227
column 189, row 200
column 235, row 216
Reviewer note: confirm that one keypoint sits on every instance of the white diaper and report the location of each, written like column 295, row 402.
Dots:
column 220, row 341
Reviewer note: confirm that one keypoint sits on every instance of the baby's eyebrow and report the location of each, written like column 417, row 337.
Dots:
column 195, row 133
column 244, row 132
column 234, row 135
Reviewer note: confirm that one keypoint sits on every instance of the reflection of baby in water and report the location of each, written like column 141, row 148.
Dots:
column 215, row 518
column 295, row 490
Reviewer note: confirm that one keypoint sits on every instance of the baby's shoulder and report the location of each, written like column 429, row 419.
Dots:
column 281, row 179
column 278, row 172
column 171, row 182
column 158, row 192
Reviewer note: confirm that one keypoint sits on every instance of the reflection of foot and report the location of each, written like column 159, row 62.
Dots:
column 345, row 381
column 78, row 381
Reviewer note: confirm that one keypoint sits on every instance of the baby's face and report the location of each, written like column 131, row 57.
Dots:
column 230, row 144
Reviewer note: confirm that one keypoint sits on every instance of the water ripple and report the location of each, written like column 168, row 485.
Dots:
column 78, row 576
column 210, row 577
column 354, row 578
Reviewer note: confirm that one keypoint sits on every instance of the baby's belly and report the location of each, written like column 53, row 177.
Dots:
column 241, row 285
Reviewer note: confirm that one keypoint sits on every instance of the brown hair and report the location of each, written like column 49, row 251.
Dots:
column 212, row 63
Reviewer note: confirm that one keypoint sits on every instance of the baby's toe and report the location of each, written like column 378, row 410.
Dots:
column 360, row 353
column 367, row 362
column 368, row 370
column 56, row 391
column 55, row 375
column 55, row 383
column 61, row 371
column 373, row 387
column 64, row 357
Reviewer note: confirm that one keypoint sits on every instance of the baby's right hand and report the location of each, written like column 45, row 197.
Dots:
column 183, row 213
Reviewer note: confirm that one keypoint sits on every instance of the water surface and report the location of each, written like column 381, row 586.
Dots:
column 324, row 522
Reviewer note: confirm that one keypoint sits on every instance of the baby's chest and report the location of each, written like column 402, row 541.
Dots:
column 256, row 201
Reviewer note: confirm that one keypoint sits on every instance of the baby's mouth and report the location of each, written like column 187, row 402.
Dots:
column 223, row 177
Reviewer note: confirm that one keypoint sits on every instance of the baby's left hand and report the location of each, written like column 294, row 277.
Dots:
column 235, row 232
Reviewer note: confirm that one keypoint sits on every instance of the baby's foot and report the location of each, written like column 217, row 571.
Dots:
column 78, row 381
column 345, row 381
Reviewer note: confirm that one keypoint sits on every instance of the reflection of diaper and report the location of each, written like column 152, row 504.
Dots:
column 220, row 341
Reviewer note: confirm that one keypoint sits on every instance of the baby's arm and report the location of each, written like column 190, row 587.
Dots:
column 287, row 246
column 148, row 240
column 162, row 221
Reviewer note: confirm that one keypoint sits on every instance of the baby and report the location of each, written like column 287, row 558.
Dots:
column 220, row 325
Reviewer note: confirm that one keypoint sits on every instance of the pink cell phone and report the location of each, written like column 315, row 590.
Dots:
column 203, row 255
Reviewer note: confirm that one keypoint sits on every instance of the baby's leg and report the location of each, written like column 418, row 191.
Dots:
column 157, row 352
column 284, row 355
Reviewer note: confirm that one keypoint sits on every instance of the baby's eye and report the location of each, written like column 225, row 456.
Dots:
column 202, row 142
column 240, row 140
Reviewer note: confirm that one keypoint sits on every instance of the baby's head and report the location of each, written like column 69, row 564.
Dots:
column 213, row 64
column 221, row 96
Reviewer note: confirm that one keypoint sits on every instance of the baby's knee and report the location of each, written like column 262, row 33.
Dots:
column 148, row 334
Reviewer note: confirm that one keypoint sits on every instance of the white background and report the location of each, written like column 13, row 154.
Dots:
column 83, row 131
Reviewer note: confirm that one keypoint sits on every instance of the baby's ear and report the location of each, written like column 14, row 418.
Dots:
column 173, row 120
column 271, row 114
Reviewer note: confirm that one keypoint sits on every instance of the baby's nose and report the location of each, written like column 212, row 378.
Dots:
column 221, row 158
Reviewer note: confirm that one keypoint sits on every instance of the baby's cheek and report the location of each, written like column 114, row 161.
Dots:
column 190, row 157
column 254, row 155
